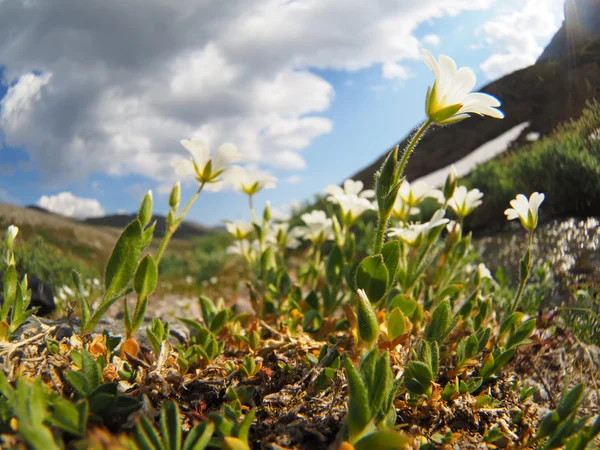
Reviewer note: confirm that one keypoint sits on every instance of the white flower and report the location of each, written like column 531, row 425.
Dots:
column 450, row 99
column 526, row 210
column 352, row 206
column 239, row 229
column 351, row 187
column 278, row 234
column 452, row 225
column 402, row 211
column 11, row 234
column 67, row 290
column 483, row 272
column 318, row 229
column 463, row 202
column 203, row 166
column 250, row 182
column 414, row 193
column 249, row 250
column 414, row 234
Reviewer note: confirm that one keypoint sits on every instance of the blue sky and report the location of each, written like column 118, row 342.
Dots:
column 311, row 91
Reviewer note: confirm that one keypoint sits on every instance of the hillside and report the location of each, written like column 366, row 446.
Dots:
column 545, row 94
column 87, row 241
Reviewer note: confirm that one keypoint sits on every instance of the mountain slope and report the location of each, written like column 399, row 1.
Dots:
column 545, row 94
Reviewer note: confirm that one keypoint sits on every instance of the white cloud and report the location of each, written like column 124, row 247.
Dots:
column 112, row 86
column 69, row 205
column 394, row 71
column 518, row 35
column 432, row 40
column 293, row 179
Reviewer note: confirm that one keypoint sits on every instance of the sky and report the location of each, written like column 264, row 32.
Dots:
column 96, row 96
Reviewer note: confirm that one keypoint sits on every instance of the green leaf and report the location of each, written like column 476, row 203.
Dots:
column 208, row 309
column 440, row 321
column 79, row 382
column 123, row 261
column 422, row 372
column 522, row 333
column 358, row 413
column 382, row 440
column 90, row 370
column 571, row 401
column 85, row 304
column 396, row 325
column 199, row 437
column 10, row 290
column 471, row 346
column 335, row 266
column 406, row 304
column 244, row 427
column 147, row 436
column 170, row 426
column 548, row 424
column 372, row 277
column 391, row 258
column 368, row 327
column 509, row 323
column 219, row 321
column 381, row 383
column 146, row 277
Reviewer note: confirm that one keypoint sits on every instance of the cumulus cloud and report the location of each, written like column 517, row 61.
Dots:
column 112, row 86
column 70, row 205
column 519, row 35
column 431, row 40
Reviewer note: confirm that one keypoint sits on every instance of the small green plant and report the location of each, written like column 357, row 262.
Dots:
column 169, row 434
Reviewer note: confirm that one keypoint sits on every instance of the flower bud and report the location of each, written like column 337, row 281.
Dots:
column 11, row 234
column 450, row 184
column 175, row 196
column 145, row 212
column 267, row 212
column 368, row 327
column 387, row 179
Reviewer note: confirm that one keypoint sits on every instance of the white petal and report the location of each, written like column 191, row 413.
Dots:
column 199, row 151
column 367, row 193
column 431, row 62
column 334, row 190
column 184, row 168
column 225, row 155
column 535, row 201
column 511, row 214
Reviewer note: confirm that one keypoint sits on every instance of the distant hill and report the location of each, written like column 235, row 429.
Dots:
column 549, row 92
column 186, row 231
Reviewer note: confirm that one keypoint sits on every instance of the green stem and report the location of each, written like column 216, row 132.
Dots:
column 251, row 205
column 413, row 142
column 171, row 229
column 384, row 219
column 382, row 224
column 523, row 282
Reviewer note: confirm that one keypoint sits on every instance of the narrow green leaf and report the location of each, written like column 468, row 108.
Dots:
column 368, row 327
column 523, row 332
column 122, row 263
column 391, row 258
column 199, row 437
column 146, row 277
column 219, row 321
column 358, row 413
column 422, row 372
column 335, row 266
column 79, row 382
column 10, row 290
column 382, row 383
column 147, row 436
column 170, row 426
column 90, row 370
column 440, row 319
column 244, row 428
